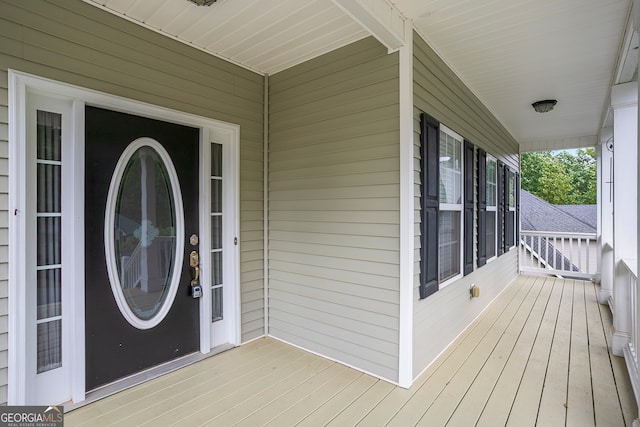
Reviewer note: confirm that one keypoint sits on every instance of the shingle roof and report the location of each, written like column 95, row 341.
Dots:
column 538, row 215
column 585, row 213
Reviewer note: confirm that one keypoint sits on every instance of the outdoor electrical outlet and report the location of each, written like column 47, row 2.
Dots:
column 474, row 291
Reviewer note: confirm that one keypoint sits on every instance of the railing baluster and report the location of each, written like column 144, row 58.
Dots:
column 554, row 250
column 587, row 253
column 579, row 254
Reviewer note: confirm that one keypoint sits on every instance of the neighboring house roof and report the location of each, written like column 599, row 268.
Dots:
column 538, row 215
column 585, row 213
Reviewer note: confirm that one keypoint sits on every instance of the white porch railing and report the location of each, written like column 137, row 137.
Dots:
column 563, row 254
column 630, row 279
column 159, row 256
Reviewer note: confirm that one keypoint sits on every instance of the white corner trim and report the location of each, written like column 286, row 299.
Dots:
column 380, row 18
column 16, row 388
column 405, row 353
column 265, row 212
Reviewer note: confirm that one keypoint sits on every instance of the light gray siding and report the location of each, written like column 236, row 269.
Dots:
column 4, row 230
column 439, row 318
column 73, row 42
column 334, row 207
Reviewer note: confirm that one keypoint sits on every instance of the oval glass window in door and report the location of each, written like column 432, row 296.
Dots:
column 144, row 233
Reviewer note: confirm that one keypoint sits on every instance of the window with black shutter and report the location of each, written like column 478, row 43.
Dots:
column 468, row 216
column 430, row 189
column 517, row 225
column 510, row 210
column 500, row 208
column 482, row 208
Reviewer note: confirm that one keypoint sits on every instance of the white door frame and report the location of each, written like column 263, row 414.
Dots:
column 22, row 84
column 230, row 238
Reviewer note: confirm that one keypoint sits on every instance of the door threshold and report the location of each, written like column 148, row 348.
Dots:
column 144, row 376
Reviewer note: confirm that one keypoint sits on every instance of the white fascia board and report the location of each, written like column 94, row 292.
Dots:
column 624, row 95
column 380, row 18
column 558, row 143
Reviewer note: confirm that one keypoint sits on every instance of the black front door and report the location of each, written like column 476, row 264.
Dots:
column 140, row 257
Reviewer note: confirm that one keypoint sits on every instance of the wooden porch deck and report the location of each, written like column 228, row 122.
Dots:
column 537, row 356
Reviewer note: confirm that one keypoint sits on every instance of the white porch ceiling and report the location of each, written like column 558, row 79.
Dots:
column 509, row 52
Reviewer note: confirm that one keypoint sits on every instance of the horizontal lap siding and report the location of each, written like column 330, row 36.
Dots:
column 4, row 231
column 334, row 207
column 439, row 318
column 76, row 43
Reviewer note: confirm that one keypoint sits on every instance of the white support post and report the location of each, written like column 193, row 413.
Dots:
column 636, row 28
column 624, row 101
column 605, row 214
column 405, row 340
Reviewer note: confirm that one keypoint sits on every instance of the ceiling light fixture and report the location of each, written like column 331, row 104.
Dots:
column 544, row 106
column 203, row 2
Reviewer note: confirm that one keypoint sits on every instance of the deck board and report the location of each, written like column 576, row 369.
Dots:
column 537, row 356
column 623, row 384
column 478, row 394
column 441, row 381
column 580, row 411
column 498, row 406
column 553, row 403
column 524, row 410
column 605, row 395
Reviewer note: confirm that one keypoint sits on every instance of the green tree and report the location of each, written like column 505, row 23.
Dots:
column 555, row 186
column 560, row 178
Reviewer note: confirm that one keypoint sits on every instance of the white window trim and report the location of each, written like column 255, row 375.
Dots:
column 512, row 176
column 20, row 84
column 456, row 208
column 230, row 209
column 493, row 208
column 109, row 238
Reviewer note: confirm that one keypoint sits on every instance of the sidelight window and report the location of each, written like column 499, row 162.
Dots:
column 49, row 240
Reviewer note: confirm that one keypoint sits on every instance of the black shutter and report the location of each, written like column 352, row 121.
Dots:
column 430, row 203
column 468, row 206
column 482, row 207
column 500, row 208
column 508, row 218
column 517, row 225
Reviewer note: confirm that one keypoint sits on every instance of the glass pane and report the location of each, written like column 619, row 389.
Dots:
column 491, row 234
column 216, row 196
column 49, row 186
column 216, row 160
column 216, row 304
column 49, row 345
column 49, row 135
column 449, row 244
column 450, row 169
column 216, row 268
column 145, row 240
column 216, row 232
column 49, row 296
column 491, row 182
column 49, row 248
column 512, row 190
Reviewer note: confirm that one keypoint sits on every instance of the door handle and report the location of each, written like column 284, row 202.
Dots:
column 194, row 262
